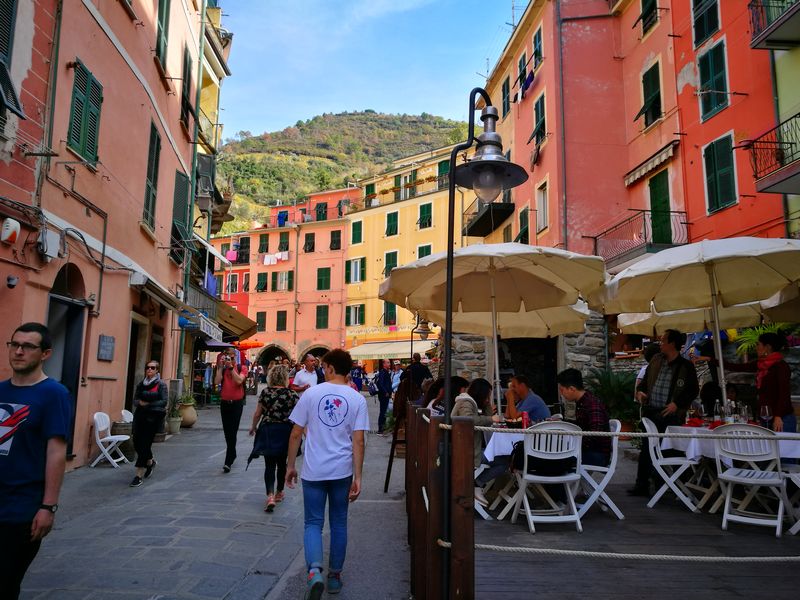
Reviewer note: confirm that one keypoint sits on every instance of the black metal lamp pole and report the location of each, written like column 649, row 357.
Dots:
column 487, row 173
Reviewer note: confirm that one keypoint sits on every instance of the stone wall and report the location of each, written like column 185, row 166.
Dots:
column 586, row 351
column 469, row 356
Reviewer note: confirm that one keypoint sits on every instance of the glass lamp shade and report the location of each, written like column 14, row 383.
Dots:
column 486, row 185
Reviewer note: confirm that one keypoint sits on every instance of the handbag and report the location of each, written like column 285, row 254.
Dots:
column 372, row 388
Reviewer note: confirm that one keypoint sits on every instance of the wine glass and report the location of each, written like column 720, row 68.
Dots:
column 700, row 411
column 766, row 416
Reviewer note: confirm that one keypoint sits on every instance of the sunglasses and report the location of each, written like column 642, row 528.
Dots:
column 151, row 367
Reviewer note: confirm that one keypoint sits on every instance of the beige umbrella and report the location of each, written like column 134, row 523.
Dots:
column 696, row 319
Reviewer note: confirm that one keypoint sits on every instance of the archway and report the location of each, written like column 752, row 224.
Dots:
column 317, row 351
column 270, row 353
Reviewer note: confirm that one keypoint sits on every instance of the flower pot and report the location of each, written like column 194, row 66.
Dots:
column 629, row 427
column 174, row 424
column 188, row 415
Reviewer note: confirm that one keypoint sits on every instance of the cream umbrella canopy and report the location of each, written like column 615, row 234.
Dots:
column 694, row 319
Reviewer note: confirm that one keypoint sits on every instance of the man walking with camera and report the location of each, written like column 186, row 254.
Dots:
column 232, row 377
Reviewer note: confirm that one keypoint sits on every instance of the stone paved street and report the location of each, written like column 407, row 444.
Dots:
column 192, row 532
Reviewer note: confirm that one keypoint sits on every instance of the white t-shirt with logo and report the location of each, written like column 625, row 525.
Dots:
column 330, row 413
column 303, row 377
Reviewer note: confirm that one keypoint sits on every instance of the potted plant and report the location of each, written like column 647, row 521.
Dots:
column 174, row 417
column 187, row 410
column 616, row 389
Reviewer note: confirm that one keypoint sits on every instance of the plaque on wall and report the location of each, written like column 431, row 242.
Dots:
column 105, row 348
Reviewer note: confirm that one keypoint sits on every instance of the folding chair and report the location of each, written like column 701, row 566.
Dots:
column 793, row 473
column 480, row 508
column 598, row 487
column 550, row 447
column 669, row 469
column 763, row 469
column 108, row 444
column 127, row 416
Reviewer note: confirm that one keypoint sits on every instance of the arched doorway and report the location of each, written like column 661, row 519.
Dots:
column 66, row 316
column 271, row 353
column 318, row 351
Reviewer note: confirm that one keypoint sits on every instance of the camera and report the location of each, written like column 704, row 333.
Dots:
column 12, row 281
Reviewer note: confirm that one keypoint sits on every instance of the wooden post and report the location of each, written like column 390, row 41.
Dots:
column 462, row 518
column 413, row 495
column 419, row 549
column 435, row 524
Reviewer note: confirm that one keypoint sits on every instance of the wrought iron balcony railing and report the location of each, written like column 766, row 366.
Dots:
column 643, row 231
column 208, row 128
column 764, row 13
column 775, row 149
column 198, row 298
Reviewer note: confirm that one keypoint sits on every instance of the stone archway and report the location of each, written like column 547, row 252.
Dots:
column 269, row 353
column 317, row 351
column 69, row 283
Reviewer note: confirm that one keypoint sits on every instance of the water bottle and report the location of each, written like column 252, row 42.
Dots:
column 717, row 411
column 728, row 412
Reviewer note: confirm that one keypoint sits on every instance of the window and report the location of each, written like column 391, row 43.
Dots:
column 706, row 20
column 389, row 262
column 181, row 233
column 713, row 83
column 649, row 15
column 522, row 69
column 425, row 215
column 224, row 248
column 261, row 282
column 233, row 283
column 186, row 88
column 283, row 242
column 355, row 232
column 263, row 242
column 162, row 29
column 217, row 285
column 423, row 251
column 506, row 96
column 261, row 321
column 443, row 173
column 246, row 282
column 321, row 210
column 324, row 278
column 280, row 320
column 651, row 90
column 322, row 316
column 84, row 117
column 354, row 314
column 308, row 245
column 542, row 218
column 720, row 176
column 389, row 313
column 391, row 224
column 540, row 124
column 355, row 270
column 369, row 191
column 151, row 179
column 507, row 233
column 336, row 239
column 409, row 185
column 537, row 48
column 398, row 188
column 243, row 253
column 523, row 236
column 9, row 100
column 283, row 216
column 282, row 281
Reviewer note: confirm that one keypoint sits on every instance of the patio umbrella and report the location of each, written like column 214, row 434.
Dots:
column 695, row 319
column 519, row 279
column 707, row 274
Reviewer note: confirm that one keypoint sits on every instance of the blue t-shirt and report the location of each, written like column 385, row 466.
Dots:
column 535, row 407
column 29, row 417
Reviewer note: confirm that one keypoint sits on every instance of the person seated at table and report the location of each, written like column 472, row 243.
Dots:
column 667, row 390
column 590, row 415
column 521, row 398
column 476, row 404
column 436, row 403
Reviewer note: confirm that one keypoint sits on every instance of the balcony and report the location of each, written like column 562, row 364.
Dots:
column 775, row 24
column 242, row 257
column 198, row 298
column 643, row 232
column 210, row 131
column 482, row 219
column 775, row 158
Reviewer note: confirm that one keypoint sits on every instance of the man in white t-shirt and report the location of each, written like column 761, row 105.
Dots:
column 334, row 417
column 306, row 377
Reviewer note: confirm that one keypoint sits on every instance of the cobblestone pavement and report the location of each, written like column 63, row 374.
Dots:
column 192, row 532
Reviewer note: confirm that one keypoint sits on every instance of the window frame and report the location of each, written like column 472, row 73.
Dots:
column 261, row 321
column 322, row 312
column 714, row 209
column 396, row 215
column 336, row 240
column 389, row 307
column 542, row 214
column 323, row 278
column 522, row 68
column 360, row 270
column 281, row 320
column 283, row 241
column 699, row 41
column 262, row 282
column 506, row 97
column 707, row 57
column 85, row 105
column 246, row 282
column 396, row 256
column 309, row 242
column 263, row 242
column 425, row 221
column 353, row 241
column 232, row 286
column 539, row 133
column 537, row 59
column 162, row 31
column 652, row 100
column 419, row 250
column 151, row 177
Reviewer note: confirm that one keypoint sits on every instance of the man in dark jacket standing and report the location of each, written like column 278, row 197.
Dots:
column 383, row 380
column 668, row 388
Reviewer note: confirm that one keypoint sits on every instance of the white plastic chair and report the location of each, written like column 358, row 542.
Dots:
column 480, row 508
column 760, row 454
column 127, row 416
column 793, row 473
column 669, row 469
column 550, row 447
column 108, row 444
column 598, row 487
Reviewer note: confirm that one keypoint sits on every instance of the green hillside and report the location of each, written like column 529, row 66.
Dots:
column 322, row 153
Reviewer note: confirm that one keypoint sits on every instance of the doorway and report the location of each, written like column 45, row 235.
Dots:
column 137, row 356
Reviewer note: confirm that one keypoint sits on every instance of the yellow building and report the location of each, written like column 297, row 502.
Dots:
column 402, row 217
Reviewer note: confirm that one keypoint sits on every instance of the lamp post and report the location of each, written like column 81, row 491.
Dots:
column 488, row 173
column 423, row 329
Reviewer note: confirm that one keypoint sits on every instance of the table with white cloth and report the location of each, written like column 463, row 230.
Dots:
column 501, row 444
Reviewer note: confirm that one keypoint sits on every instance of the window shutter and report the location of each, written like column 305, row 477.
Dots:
column 95, row 100
column 274, row 281
column 180, row 207
column 726, row 186
column 361, row 313
column 711, row 177
column 347, row 316
column 706, row 21
column 151, row 182
column 718, row 82
column 347, row 265
column 290, row 281
column 162, row 31
column 8, row 9
column 363, row 269
column 397, row 183
column 79, row 87
column 444, row 167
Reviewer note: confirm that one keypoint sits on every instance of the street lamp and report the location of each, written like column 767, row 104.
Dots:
column 422, row 328
column 488, row 173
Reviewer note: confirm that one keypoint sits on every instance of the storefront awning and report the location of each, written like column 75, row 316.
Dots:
column 399, row 349
column 235, row 322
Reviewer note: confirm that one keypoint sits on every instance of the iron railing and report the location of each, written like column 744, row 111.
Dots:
column 764, row 13
column 208, row 128
column 198, row 298
column 644, row 230
column 775, row 149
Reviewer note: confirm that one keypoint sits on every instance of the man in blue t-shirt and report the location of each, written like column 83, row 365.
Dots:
column 521, row 398
column 35, row 416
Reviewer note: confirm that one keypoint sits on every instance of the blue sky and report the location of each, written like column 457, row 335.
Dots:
column 295, row 59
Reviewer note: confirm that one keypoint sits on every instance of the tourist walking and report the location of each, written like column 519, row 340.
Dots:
column 231, row 377
column 35, row 417
column 335, row 418
column 150, row 400
column 272, row 427
column 383, row 381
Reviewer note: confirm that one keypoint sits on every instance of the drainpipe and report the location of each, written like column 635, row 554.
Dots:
column 563, row 124
column 51, row 100
column 296, row 304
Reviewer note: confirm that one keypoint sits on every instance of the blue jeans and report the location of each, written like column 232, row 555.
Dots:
column 315, row 493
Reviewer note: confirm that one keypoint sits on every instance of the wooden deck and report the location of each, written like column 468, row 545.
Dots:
column 669, row 528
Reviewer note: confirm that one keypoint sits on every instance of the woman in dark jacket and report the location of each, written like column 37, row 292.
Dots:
column 383, row 381
column 150, row 400
column 271, row 420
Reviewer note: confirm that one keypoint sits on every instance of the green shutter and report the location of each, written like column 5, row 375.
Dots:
column 186, row 77
column 280, row 320
column 540, row 128
column 162, row 31
column 444, row 167
column 324, row 278
column 151, row 178
column 537, row 48
column 660, row 207
column 180, row 203
column 651, row 88
column 391, row 224
column 362, row 311
column 84, row 119
column 713, row 84
column 274, row 281
column 347, row 264
column 261, row 321
column 261, row 284
column 263, row 242
column 322, row 316
column 355, row 235
column 523, row 69
column 649, row 14
column 398, row 181
column 8, row 12
column 390, row 262
column 706, row 20
column 425, row 216
column 290, row 281
column 369, row 190
column 347, row 317
column 726, row 184
column 424, row 251
column 506, row 96
column 363, row 269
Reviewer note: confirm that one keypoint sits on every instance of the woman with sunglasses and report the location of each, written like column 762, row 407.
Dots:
column 150, row 400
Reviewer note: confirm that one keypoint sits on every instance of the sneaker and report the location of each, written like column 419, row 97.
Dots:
column 314, row 586
column 334, row 583
column 480, row 498
column 270, row 506
column 279, row 497
column 226, row 469
column 136, row 482
column 150, row 468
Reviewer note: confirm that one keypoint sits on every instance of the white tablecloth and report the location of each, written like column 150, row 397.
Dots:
column 501, row 444
column 697, row 447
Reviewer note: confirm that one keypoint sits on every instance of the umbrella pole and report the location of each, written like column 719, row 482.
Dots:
column 494, row 338
column 717, row 339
